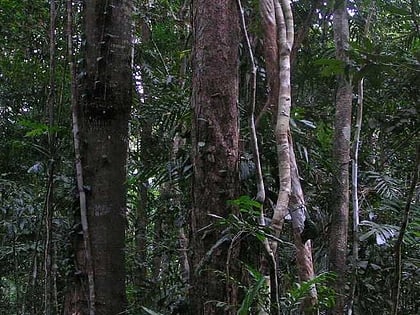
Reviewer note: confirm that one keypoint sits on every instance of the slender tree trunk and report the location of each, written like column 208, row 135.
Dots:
column 105, row 97
column 355, row 196
column 260, row 197
column 278, row 41
column 355, row 176
column 49, row 199
column 341, row 158
column 278, row 26
column 277, row 20
column 269, row 25
column 215, row 140
column 270, row 50
column 396, row 289
column 298, row 213
column 271, row 55
column 77, row 301
column 284, row 19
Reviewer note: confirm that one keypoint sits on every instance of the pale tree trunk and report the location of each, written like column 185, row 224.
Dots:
column 260, row 197
column 284, row 18
column 104, row 98
column 277, row 22
column 215, row 139
column 355, row 196
column 270, row 26
column 270, row 50
column 341, row 158
column 282, row 130
column 354, row 178
column 271, row 55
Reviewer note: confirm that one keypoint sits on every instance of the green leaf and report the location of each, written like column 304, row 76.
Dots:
column 246, row 204
column 252, row 294
column 330, row 67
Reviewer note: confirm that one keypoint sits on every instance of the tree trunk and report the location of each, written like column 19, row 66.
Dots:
column 398, row 247
column 271, row 55
column 215, row 139
column 278, row 25
column 49, row 200
column 104, row 107
column 355, row 197
column 284, row 20
column 298, row 213
column 341, row 158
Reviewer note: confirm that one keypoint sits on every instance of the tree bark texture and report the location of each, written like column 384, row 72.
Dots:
column 271, row 55
column 285, row 31
column 398, row 247
column 298, row 213
column 278, row 27
column 105, row 95
column 341, row 158
column 215, row 139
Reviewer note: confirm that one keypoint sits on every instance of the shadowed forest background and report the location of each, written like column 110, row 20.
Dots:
column 209, row 157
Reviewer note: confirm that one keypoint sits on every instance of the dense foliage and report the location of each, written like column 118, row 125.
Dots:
column 385, row 52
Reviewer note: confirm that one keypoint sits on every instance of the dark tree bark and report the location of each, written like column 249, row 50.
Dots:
column 215, row 140
column 49, row 200
column 398, row 247
column 341, row 158
column 104, row 98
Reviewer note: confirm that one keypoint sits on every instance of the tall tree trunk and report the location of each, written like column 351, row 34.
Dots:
column 270, row 49
column 284, row 19
column 354, row 178
column 105, row 97
column 215, row 139
column 278, row 26
column 341, row 158
column 355, row 197
column 271, row 55
column 49, row 199
column 398, row 247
